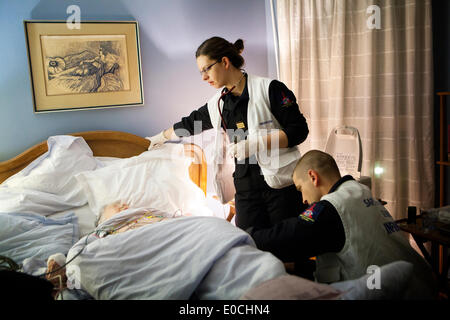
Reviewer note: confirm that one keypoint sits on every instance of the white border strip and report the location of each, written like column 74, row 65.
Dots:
column 275, row 37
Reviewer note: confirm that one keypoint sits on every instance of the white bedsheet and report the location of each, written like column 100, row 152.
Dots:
column 86, row 218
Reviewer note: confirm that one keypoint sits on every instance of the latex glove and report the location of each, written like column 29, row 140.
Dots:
column 157, row 140
column 246, row 148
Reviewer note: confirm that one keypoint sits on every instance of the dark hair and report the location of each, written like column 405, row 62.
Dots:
column 216, row 48
column 319, row 161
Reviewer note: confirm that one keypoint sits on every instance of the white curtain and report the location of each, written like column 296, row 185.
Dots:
column 346, row 71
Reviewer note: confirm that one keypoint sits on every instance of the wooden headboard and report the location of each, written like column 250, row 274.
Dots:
column 109, row 144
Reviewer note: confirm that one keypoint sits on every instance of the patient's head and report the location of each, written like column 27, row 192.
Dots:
column 110, row 210
column 314, row 175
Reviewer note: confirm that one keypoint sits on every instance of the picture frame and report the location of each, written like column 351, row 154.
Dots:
column 94, row 67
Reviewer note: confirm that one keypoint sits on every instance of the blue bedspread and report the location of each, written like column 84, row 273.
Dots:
column 172, row 260
column 29, row 239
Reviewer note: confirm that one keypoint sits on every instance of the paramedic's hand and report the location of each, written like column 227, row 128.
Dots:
column 257, row 143
column 157, row 140
column 246, row 148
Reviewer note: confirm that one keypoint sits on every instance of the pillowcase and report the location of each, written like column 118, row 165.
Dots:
column 106, row 161
column 156, row 179
column 47, row 184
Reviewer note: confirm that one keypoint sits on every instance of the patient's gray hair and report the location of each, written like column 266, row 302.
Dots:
column 98, row 220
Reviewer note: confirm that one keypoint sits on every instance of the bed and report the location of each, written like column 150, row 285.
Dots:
column 53, row 193
column 108, row 144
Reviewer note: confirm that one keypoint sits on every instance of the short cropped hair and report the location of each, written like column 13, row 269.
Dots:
column 319, row 161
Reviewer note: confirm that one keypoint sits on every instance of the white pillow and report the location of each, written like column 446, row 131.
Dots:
column 47, row 185
column 158, row 179
column 66, row 155
column 106, row 161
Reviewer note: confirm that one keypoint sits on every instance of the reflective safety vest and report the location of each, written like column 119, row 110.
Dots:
column 277, row 165
column 371, row 238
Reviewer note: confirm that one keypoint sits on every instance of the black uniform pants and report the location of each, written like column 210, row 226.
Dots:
column 264, row 207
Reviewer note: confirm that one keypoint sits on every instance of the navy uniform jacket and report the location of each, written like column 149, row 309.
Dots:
column 315, row 231
column 283, row 106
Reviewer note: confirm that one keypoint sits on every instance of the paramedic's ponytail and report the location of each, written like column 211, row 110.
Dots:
column 239, row 45
column 216, row 48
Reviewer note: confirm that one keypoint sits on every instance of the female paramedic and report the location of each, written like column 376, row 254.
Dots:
column 264, row 116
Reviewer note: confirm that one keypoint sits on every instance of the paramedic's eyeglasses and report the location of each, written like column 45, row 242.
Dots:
column 206, row 69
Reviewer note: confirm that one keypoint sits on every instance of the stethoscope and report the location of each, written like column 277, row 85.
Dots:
column 224, row 93
column 220, row 112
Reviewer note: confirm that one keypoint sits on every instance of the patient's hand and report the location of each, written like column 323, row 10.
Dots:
column 56, row 273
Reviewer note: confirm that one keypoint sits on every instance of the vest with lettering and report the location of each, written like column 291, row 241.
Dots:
column 277, row 165
column 371, row 238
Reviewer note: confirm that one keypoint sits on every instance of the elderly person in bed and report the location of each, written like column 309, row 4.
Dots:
column 184, row 259
column 56, row 273
column 344, row 226
column 132, row 218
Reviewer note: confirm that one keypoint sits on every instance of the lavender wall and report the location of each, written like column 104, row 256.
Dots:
column 170, row 32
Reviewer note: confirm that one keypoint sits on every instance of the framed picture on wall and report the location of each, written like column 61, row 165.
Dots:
column 95, row 66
